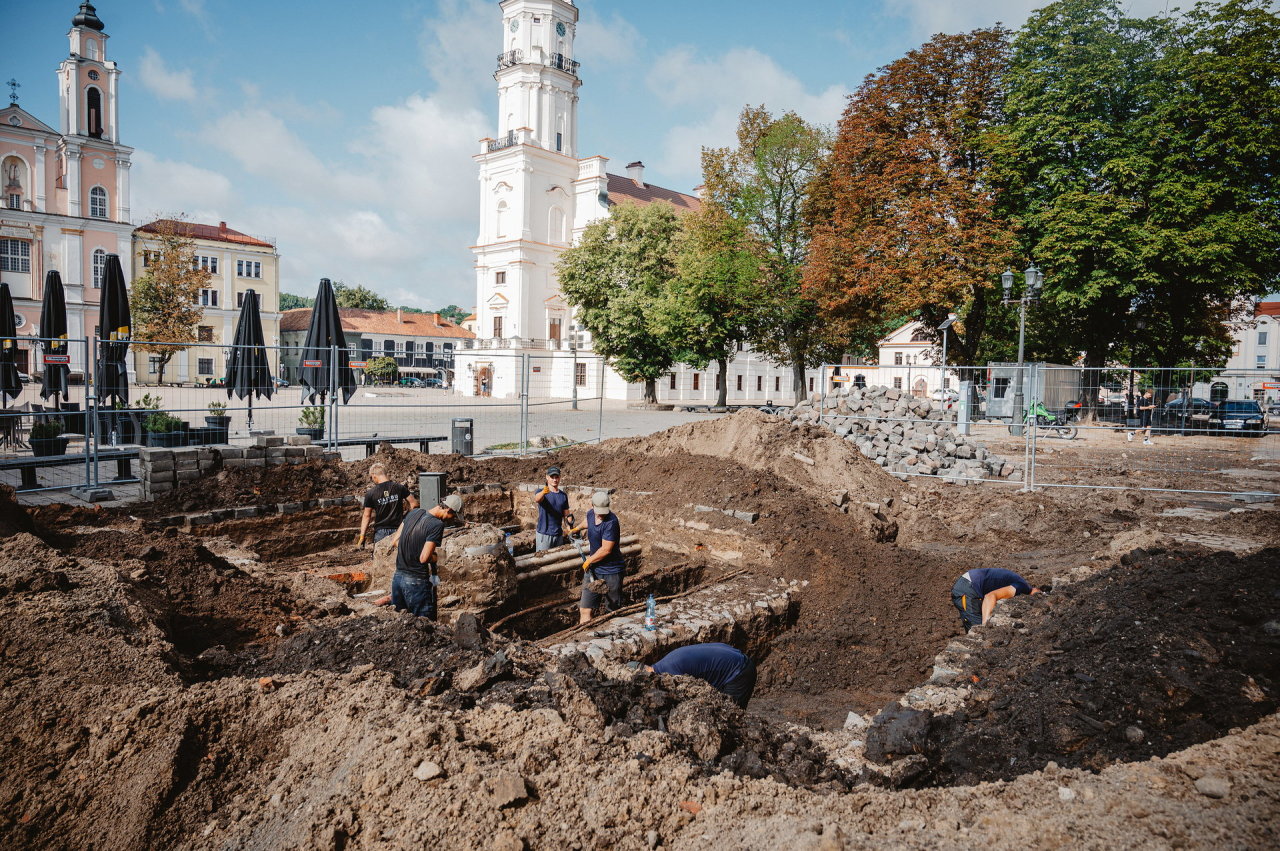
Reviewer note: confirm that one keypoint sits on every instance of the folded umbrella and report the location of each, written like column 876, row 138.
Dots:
column 248, row 371
column 10, row 386
column 318, row 375
column 115, row 328
column 53, row 328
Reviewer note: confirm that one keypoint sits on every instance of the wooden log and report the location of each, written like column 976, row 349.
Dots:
column 574, row 563
column 560, row 554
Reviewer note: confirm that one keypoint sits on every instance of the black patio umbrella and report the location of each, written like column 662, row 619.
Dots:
column 114, row 329
column 248, row 373
column 317, row 374
column 10, row 386
column 53, row 327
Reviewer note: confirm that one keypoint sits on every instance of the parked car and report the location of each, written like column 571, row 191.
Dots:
column 434, row 382
column 947, row 395
column 1187, row 415
column 278, row 381
column 1273, row 414
column 412, row 381
column 1238, row 416
column 24, row 378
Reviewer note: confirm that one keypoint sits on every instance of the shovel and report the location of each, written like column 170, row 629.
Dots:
column 597, row 585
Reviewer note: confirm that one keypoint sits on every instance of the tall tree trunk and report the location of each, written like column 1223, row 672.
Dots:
column 797, row 381
column 722, row 398
column 164, row 362
column 651, row 391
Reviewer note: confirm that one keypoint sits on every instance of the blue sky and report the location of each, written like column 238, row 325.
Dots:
column 345, row 131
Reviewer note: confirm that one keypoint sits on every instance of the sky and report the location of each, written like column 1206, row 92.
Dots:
column 345, row 132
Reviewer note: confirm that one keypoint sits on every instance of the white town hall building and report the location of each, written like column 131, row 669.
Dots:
column 537, row 195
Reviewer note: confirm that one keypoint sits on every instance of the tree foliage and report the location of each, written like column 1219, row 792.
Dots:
column 616, row 277
column 904, row 217
column 454, row 313
column 711, row 302
column 358, row 297
column 289, row 301
column 382, row 368
column 1140, row 164
column 164, row 301
column 762, row 184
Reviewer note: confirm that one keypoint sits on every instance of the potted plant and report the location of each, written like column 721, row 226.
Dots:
column 164, row 430
column 218, row 415
column 311, row 423
column 46, row 439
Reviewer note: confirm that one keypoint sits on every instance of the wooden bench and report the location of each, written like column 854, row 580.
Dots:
column 28, row 466
column 370, row 444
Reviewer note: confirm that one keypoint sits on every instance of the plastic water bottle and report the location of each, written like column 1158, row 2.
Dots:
column 511, row 548
column 651, row 614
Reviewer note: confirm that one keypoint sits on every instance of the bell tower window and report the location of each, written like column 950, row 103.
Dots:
column 98, row 202
column 99, row 267
column 93, row 112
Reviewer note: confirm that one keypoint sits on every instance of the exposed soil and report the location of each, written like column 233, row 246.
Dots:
column 204, row 690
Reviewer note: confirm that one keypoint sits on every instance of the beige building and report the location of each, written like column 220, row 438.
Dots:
column 236, row 262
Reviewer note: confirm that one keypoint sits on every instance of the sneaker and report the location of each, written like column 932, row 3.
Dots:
column 1129, row 437
column 1147, row 443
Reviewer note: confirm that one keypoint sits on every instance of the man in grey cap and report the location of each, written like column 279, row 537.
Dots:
column 605, row 561
column 413, row 586
column 553, row 513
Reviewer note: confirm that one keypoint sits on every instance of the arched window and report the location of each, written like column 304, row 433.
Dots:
column 555, row 225
column 98, row 202
column 99, row 267
column 93, row 112
column 500, row 224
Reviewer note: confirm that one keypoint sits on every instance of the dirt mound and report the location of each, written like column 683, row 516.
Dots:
column 13, row 517
column 1140, row 661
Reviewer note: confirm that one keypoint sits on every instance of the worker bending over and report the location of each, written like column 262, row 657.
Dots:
column 977, row 591
column 413, row 585
column 605, row 562
column 728, row 670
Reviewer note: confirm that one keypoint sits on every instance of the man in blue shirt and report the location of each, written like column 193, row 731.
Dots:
column 605, row 561
column 553, row 513
column 727, row 670
column 977, row 591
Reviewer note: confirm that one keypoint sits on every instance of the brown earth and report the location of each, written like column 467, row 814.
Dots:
column 167, row 690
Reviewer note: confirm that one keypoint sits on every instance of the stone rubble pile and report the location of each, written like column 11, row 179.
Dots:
column 904, row 434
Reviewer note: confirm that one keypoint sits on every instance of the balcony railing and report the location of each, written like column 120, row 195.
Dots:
column 564, row 63
column 557, row 60
column 506, row 141
column 510, row 58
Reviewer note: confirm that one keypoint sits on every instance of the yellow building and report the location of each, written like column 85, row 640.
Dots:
column 236, row 262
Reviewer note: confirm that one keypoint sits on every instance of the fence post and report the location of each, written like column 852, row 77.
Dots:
column 333, row 397
column 600, row 402
column 524, row 403
column 90, row 424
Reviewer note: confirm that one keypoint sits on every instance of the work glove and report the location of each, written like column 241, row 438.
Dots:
column 360, row 540
column 546, row 489
column 586, row 565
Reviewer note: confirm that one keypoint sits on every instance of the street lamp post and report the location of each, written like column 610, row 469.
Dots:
column 944, row 328
column 573, row 347
column 1033, row 280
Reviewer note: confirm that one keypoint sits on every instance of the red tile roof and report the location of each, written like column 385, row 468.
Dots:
column 191, row 230
column 359, row 321
column 624, row 188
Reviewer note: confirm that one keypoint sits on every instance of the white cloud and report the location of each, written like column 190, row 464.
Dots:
column 162, row 81
column 459, row 48
column 164, row 187
column 614, row 41
column 929, row 17
column 715, row 91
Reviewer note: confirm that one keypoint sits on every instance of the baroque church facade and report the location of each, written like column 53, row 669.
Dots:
column 537, row 195
column 65, row 202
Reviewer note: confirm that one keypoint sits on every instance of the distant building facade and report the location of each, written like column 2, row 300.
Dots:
column 65, row 202
column 422, row 344
column 1253, row 370
column 236, row 263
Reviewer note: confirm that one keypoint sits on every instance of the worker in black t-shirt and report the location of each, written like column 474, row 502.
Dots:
column 413, row 585
column 384, row 506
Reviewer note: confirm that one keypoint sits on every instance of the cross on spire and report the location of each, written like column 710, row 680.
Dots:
column 13, row 85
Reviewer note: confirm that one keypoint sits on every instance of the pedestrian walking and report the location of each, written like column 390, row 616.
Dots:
column 977, row 591
column 415, row 581
column 605, row 561
column 553, row 513
column 1146, row 409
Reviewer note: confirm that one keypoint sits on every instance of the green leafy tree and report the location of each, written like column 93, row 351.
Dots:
column 762, row 183
column 709, row 305
column 382, row 369
column 164, row 301
column 1140, row 162
column 616, row 277
column 289, row 301
column 904, row 216
column 453, row 313
column 358, row 297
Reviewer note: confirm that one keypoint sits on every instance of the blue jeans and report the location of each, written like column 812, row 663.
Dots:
column 379, row 534
column 413, row 594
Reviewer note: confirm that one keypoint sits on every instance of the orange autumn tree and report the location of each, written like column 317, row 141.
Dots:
column 904, row 217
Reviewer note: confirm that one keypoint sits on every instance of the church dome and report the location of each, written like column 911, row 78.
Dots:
column 87, row 17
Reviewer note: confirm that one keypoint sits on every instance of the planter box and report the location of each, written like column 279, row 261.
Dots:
column 166, row 438
column 223, row 422
column 314, row 433
column 206, row 436
column 43, row 447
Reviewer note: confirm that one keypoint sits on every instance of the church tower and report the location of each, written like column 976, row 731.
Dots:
column 528, row 180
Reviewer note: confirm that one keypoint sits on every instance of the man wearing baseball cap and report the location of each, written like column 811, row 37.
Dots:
column 413, row 585
column 553, row 513
column 605, row 560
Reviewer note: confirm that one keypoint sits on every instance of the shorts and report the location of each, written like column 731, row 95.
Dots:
column 966, row 600
column 548, row 542
column 1145, row 418
column 612, row 595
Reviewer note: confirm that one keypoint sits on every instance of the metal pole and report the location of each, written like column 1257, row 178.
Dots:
column 600, row 408
column 333, row 397
column 942, row 379
column 573, row 379
column 1015, row 427
column 91, row 421
column 524, row 403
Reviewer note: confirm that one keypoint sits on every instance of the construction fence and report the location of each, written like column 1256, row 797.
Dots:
column 76, row 439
